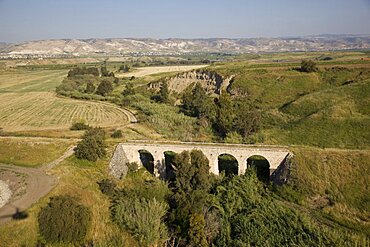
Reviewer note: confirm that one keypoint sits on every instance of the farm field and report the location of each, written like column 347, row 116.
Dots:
column 140, row 72
column 28, row 102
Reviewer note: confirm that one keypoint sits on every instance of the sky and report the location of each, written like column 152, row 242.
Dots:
column 24, row 20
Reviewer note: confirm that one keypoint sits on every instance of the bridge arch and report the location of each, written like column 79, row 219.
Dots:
column 228, row 164
column 262, row 166
column 147, row 160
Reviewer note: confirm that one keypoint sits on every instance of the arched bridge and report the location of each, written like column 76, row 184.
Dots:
column 130, row 152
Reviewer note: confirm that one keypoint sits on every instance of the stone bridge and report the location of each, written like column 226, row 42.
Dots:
column 130, row 152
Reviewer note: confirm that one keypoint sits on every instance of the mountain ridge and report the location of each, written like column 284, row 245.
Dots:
column 177, row 46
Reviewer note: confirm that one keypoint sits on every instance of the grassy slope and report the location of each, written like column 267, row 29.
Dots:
column 31, row 152
column 333, row 184
column 325, row 109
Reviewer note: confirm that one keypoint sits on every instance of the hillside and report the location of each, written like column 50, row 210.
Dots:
column 119, row 46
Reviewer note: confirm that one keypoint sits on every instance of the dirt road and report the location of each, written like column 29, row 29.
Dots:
column 37, row 184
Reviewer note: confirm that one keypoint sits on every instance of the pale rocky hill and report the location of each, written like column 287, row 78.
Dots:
column 119, row 46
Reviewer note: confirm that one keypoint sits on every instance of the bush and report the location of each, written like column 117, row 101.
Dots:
column 107, row 187
column 92, row 145
column 308, row 66
column 64, row 220
column 117, row 134
column 81, row 125
column 104, row 88
column 132, row 166
column 142, row 218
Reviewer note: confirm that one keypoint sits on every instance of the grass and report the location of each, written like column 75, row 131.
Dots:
column 31, row 152
column 330, row 108
column 332, row 184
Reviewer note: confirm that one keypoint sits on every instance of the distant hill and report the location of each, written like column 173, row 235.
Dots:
column 120, row 46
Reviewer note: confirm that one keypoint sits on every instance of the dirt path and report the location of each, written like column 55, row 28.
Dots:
column 37, row 184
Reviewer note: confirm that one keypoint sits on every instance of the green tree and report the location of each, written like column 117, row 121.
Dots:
column 64, row 220
column 191, row 191
column 197, row 103
column 197, row 231
column 129, row 90
column 308, row 66
column 92, row 145
column 247, row 117
column 104, row 71
column 104, row 88
column 192, row 171
column 164, row 93
column 225, row 114
column 90, row 88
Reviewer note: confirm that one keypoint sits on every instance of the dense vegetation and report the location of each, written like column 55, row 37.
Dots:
column 64, row 220
column 88, row 83
column 92, row 146
column 198, row 209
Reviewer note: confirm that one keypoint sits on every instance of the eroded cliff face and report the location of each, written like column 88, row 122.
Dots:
column 213, row 82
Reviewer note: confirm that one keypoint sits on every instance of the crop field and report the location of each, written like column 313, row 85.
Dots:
column 140, row 72
column 43, row 110
column 28, row 102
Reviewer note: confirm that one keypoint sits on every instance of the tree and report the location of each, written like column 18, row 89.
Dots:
column 191, row 190
column 92, row 145
column 164, row 93
column 104, row 71
column 64, row 220
column 90, row 88
column 197, row 233
column 192, row 171
column 197, row 103
column 308, row 66
column 247, row 117
column 225, row 114
column 129, row 90
column 124, row 68
column 104, row 88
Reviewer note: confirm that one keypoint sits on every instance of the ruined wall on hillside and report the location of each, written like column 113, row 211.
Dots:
column 210, row 80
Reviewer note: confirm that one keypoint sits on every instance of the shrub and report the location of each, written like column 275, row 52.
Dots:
column 132, row 166
column 81, row 125
column 308, row 66
column 92, row 145
column 117, row 134
column 104, row 88
column 142, row 218
column 64, row 220
column 107, row 187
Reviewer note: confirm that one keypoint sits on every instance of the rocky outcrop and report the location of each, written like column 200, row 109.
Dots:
column 213, row 82
column 5, row 193
column 118, row 164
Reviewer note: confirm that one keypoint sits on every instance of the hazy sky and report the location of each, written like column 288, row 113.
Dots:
column 22, row 20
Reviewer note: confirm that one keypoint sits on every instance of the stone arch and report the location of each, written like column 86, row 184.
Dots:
column 147, row 160
column 169, row 168
column 228, row 163
column 262, row 166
